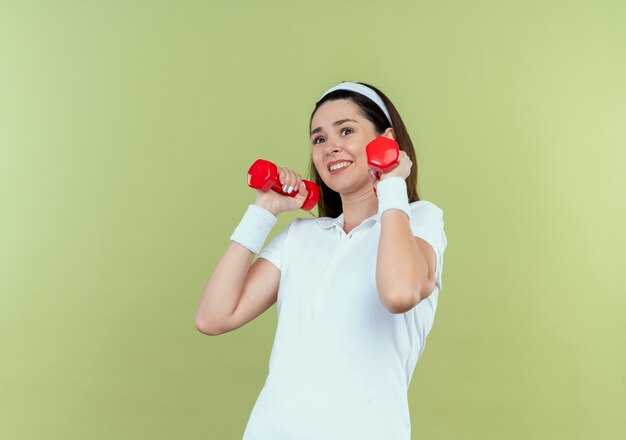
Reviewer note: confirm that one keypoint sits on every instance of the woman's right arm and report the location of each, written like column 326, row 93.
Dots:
column 238, row 291
column 234, row 282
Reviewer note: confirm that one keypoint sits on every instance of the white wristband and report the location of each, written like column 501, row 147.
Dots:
column 392, row 194
column 254, row 228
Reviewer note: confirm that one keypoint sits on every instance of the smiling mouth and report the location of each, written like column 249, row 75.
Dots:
column 337, row 167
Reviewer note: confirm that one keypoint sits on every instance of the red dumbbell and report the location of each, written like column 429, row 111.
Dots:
column 383, row 155
column 263, row 175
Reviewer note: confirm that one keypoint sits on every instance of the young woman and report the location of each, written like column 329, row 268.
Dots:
column 356, row 289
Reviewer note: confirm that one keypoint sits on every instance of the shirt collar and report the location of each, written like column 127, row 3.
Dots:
column 329, row 222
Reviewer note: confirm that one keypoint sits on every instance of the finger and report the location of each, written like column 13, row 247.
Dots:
column 291, row 181
column 295, row 181
column 373, row 174
column 285, row 179
column 371, row 178
column 302, row 195
column 302, row 191
column 281, row 176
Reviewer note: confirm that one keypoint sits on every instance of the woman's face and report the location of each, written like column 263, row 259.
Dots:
column 339, row 135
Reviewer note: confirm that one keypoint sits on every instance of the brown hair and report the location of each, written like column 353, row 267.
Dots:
column 329, row 204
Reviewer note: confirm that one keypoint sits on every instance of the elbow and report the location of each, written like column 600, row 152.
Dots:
column 401, row 302
column 205, row 329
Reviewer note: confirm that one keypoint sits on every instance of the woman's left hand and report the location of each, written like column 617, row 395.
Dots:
column 403, row 169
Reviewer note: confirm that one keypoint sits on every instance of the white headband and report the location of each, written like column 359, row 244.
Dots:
column 363, row 90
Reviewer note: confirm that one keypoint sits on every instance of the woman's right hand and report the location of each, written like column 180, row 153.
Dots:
column 275, row 202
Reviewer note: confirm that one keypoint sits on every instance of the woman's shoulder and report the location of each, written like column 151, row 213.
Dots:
column 425, row 206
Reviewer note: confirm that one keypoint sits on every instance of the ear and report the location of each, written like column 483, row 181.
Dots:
column 389, row 133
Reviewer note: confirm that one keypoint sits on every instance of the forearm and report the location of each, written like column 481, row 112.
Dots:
column 401, row 267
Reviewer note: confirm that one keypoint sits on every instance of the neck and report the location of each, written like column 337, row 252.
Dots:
column 357, row 207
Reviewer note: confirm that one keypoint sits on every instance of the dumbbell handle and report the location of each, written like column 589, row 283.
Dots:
column 263, row 175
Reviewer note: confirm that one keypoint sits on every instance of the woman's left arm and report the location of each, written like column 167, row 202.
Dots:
column 405, row 267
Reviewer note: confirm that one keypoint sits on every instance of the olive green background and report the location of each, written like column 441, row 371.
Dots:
column 126, row 130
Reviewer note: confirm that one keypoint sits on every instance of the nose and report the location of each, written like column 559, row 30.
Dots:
column 333, row 147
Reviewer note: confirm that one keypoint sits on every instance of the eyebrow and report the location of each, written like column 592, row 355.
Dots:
column 339, row 122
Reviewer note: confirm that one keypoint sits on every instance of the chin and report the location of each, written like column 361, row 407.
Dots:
column 334, row 187
column 346, row 189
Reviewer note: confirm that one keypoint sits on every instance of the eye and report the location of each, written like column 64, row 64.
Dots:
column 321, row 137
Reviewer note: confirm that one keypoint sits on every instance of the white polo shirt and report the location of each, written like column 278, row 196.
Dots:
column 341, row 363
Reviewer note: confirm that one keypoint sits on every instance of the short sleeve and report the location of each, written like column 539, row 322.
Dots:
column 427, row 223
column 273, row 252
